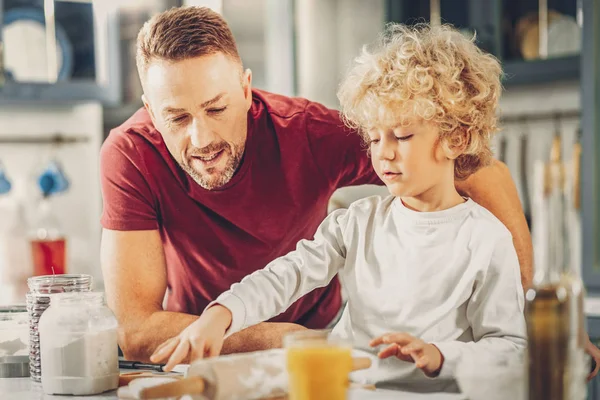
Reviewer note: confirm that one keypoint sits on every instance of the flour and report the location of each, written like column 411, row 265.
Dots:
column 80, row 364
column 14, row 334
column 41, row 288
column 14, row 347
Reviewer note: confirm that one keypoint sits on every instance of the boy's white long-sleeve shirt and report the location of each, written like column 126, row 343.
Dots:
column 448, row 277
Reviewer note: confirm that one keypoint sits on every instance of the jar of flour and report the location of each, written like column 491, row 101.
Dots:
column 78, row 345
column 14, row 342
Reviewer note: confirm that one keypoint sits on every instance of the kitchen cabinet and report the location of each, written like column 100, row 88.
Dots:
column 590, row 123
column 130, row 19
column 509, row 30
column 59, row 51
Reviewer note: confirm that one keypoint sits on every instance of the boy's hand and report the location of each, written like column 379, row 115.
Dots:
column 202, row 338
column 408, row 348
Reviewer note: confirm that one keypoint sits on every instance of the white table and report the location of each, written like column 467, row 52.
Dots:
column 26, row 389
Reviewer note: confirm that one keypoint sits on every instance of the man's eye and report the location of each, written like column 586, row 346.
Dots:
column 216, row 110
column 179, row 119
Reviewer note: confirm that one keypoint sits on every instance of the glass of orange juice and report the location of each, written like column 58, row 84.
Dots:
column 318, row 365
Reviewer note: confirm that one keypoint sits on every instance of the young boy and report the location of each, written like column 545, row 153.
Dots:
column 435, row 268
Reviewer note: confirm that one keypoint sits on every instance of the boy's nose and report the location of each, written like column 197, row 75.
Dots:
column 386, row 151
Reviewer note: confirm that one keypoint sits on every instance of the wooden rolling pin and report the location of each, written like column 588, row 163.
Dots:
column 187, row 386
column 126, row 378
column 262, row 373
column 195, row 386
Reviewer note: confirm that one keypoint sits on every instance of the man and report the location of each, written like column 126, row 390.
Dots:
column 212, row 180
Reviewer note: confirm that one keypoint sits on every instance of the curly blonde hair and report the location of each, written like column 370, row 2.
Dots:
column 435, row 74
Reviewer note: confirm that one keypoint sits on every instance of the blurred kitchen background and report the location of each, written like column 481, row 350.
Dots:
column 67, row 77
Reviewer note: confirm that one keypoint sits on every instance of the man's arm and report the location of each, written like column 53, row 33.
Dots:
column 135, row 277
column 493, row 188
column 263, row 294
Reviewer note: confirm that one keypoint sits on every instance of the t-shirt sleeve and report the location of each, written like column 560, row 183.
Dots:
column 128, row 203
column 494, row 312
column 270, row 291
column 338, row 151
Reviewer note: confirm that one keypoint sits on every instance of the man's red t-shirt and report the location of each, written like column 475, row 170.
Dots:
column 297, row 154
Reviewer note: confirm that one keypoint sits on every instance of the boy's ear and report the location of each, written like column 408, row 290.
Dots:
column 455, row 144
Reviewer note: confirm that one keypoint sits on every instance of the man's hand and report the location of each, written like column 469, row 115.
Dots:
column 593, row 351
column 426, row 356
column 203, row 338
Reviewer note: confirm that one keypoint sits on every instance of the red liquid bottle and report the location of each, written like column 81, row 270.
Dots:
column 48, row 243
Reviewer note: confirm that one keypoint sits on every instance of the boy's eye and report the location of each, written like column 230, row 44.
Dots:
column 403, row 138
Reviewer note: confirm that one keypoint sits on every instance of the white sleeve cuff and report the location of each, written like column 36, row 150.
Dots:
column 451, row 351
column 238, row 311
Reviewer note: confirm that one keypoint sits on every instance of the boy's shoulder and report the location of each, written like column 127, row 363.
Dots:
column 484, row 224
column 487, row 225
column 370, row 207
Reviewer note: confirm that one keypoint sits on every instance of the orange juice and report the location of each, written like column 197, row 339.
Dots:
column 318, row 369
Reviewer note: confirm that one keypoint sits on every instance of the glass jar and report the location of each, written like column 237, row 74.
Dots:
column 14, row 331
column 318, row 365
column 38, row 300
column 78, row 344
column 14, row 342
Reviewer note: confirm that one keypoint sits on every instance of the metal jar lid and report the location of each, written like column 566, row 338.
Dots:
column 10, row 311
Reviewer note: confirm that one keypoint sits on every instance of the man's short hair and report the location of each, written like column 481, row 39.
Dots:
column 182, row 33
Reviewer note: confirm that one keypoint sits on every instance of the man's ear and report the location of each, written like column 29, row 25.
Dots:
column 148, row 108
column 247, row 85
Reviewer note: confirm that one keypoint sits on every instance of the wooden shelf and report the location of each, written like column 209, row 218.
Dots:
column 540, row 71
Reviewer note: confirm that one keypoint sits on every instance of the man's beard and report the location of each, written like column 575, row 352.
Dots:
column 210, row 181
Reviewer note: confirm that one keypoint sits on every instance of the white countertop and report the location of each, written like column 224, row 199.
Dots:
column 26, row 389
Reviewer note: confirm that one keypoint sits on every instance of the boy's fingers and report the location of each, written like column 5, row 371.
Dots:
column 165, row 343
column 178, row 355
column 198, row 351
column 214, row 351
column 415, row 345
column 164, row 350
column 421, row 362
column 392, row 350
column 400, row 338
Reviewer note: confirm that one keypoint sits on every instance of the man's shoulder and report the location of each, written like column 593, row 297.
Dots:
column 288, row 108
column 136, row 133
column 279, row 105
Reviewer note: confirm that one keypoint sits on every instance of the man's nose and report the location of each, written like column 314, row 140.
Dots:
column 200, row 134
